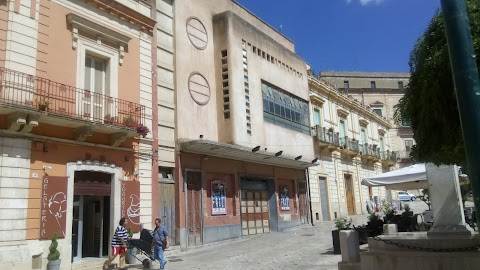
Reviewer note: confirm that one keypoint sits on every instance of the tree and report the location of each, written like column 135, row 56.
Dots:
column 430, row 101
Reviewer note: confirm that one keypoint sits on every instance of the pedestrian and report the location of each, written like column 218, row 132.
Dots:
column 160, row 242
column 119, row 244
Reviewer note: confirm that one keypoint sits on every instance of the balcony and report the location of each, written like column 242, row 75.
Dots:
column 327, row 138
column 349, row 147
column 404, row 156
column 30, row 100
column 370, row 152
column 389, row 158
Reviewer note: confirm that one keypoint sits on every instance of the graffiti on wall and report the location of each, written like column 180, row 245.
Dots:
column 53, row 207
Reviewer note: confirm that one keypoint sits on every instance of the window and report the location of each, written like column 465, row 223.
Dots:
column 96, row 84
column 342, row 133
column 408, row 145
column 165, row 173
column 382, row 145
column 405, row 121
column 400, row 85
column 316, row 117
column 378, row 111
column 373, row 85
column 285, row 109
column 346, row 84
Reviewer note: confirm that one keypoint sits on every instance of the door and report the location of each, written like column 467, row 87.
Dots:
column 194, row 208
column 96, row 85
column 324, row 198
column 303, row 202
column 342, row 133
column 255, row 214
column 166, row 203
column 349, row 194
column 364, row 142
column 316, row 117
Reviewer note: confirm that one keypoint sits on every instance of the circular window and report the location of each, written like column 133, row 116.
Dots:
column 199, row 88
column 197, row 33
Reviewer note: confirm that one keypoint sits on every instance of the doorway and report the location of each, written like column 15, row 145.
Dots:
column 194, row 208
column 91, row 215
column 349, row 194
column 303, row 202
column 324, row 198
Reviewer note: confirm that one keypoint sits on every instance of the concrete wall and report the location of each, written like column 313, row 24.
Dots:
column 364, row 79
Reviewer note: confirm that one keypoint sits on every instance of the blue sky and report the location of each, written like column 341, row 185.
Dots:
column 349, row 35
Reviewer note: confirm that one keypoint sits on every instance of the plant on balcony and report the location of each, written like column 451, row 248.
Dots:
column 129, row 122
column 42, row 104
column 108, row 119
column 143, row 130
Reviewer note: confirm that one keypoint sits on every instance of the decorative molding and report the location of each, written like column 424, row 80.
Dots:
column 82, row 133
column 32, row 121
column 342, row 112
column 16, row 120
column 117, row 138
column 121, row 55
column 100, row 32
column 363, row 122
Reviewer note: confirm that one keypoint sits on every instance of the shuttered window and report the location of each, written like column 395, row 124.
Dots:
column 96, row 101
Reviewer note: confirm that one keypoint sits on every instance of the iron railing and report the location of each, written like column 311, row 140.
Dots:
column 326, row 135
column 32, row 92
column 388, row 155
column 371, row 150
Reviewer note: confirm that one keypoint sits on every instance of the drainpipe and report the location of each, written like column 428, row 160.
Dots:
column 467, row 84
column 309, row 196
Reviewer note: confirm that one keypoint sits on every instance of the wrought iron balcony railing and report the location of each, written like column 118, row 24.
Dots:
column 26, row 91
column 326, row 135
column 390, row 156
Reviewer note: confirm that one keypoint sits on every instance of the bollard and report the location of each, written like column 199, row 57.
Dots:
column 390, row 229
column 349, row 246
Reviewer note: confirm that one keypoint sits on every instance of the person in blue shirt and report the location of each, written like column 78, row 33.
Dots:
column 160, row 241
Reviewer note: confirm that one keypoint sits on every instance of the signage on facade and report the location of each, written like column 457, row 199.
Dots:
column 130, row 207
column 219, row 200
column 53, row 207
column 284, row 198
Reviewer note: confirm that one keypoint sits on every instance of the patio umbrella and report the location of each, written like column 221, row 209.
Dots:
column 408, row 178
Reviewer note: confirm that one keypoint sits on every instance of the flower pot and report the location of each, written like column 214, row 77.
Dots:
column 53, row 265
column 130, row 258
column 336, row 242
column 42, row 107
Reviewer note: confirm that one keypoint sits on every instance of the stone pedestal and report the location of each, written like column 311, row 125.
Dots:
column 350, row 248
column 384, row 255
column 444, row 192
column 389, row 229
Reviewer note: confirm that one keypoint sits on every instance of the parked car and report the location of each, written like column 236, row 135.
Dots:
column 405, row 196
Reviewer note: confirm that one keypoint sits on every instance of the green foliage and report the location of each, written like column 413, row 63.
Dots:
column 406, row 207
column 54, row 254
column 430, row 102
column 130, row 233
column 387, row 208
column 373, row 217
column 344, row 223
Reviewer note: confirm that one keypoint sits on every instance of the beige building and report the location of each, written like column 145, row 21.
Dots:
column 381, row 91
column 243, row 133
column 351, row 142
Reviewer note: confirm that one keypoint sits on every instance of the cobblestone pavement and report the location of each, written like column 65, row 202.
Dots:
column 305, row 247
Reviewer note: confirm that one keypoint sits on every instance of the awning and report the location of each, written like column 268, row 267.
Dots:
column 412, row 177
column 237, row 152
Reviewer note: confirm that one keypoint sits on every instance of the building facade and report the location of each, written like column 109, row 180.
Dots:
column 351, row 142
column 243, row 133
column 381, row 91
column 76, row 127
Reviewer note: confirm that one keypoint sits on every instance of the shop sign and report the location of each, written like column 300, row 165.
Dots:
column 130, row 204
column 284, row 198
column 53, row 207
column 219, row 200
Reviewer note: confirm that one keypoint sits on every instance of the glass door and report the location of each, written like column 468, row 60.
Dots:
column 77, row 226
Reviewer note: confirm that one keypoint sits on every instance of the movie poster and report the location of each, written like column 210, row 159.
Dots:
column 219, row 200
column 284, row 199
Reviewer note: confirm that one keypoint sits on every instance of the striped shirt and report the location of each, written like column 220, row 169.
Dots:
column 120, row 232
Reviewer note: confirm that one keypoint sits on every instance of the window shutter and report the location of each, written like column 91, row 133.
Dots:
column 88, row 73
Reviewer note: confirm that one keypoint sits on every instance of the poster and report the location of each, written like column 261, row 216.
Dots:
column 130, row 204
column 284, row 198
column 219, row 200
column 53, row 207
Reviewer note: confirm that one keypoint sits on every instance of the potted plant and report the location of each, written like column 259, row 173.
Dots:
column 143, row 130
column 54, row 255
column 407, row 211
column 362, row 231
column 389, row 211
column 129, row 122
column 108, row 119
column 42, row 104
column 131, row 250
column 374, row 225
column 344, row 223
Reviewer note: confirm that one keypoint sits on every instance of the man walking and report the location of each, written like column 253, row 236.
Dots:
column 160, row 240
column 119, row 244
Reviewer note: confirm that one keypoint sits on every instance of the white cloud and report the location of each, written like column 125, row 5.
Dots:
column 366, row 2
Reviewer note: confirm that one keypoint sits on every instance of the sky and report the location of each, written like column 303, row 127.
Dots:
column 349, row 35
